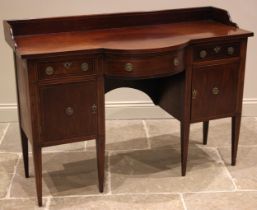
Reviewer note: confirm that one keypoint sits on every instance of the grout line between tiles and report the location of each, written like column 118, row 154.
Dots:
column 221, row 191
column 148, row 118
column 17, row 198
column 183, row 201
column 145, row 118
column 246, row 190
column 156, row 148
column 201, row 146
column 210, row 191
column 124, row 194
column 146, row 193
column 20, row 198
column 48, row 202
column 116, row 150
column 85, row 145
column 63, row 151
column 239, row 145
column 4, row 133
column 227, row 171
column 247, row 146
column 147, row 134
column 14, row 153
column 8, row 194
column 109, row 173
column 117, row 194
column 226, row 147
column 84, row 196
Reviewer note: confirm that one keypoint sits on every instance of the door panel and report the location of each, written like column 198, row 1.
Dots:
column 214, row 91
column 68, row 110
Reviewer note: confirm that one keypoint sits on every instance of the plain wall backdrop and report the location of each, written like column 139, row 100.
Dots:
column 242, row 12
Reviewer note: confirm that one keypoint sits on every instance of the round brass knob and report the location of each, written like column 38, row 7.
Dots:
column 49, row 70
column 203, row 53
column 84, row 66
column 69, row 111
column 215, row 91
column 67, row 65
column 176, row 61
column 129, row 67
column 231, row 50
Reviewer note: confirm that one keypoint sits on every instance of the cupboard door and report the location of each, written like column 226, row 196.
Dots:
column 214, row 91
column 68, row 110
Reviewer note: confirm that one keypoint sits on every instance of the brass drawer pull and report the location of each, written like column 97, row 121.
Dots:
column 217, row 49
column 49, row 70
column 129, row 67
column 94, row 108
column 69, row 111
column 203, row 53
column 67, row 65
column 194, row 94
column 84, row 66
column 215, row 91
column 231, row 50
column 176, row 61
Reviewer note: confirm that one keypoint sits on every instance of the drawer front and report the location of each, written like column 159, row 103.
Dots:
column 216, row 51
column 68, row 110
column 64, row 68
column 144, row 66
column 214, row 91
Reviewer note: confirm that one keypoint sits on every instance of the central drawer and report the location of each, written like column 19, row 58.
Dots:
column 144, row 66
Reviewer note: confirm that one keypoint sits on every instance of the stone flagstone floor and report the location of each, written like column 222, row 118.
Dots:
column 142, row 170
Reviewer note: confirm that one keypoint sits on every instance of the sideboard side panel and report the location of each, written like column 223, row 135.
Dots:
column 23, row 101
column 34, row 102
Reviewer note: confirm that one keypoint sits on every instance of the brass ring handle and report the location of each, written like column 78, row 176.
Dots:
column 84, row 66
column 176, row 61
column 129, row 67
column 69, row 111
column 203, row 53
column 231, row 50
column 49, row 70
column 215, row 91
column 67, row 65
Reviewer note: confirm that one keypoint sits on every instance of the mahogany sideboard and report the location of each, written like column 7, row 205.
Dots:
column 191, row 63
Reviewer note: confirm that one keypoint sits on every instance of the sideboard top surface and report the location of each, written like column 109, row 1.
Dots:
column 155, row 32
